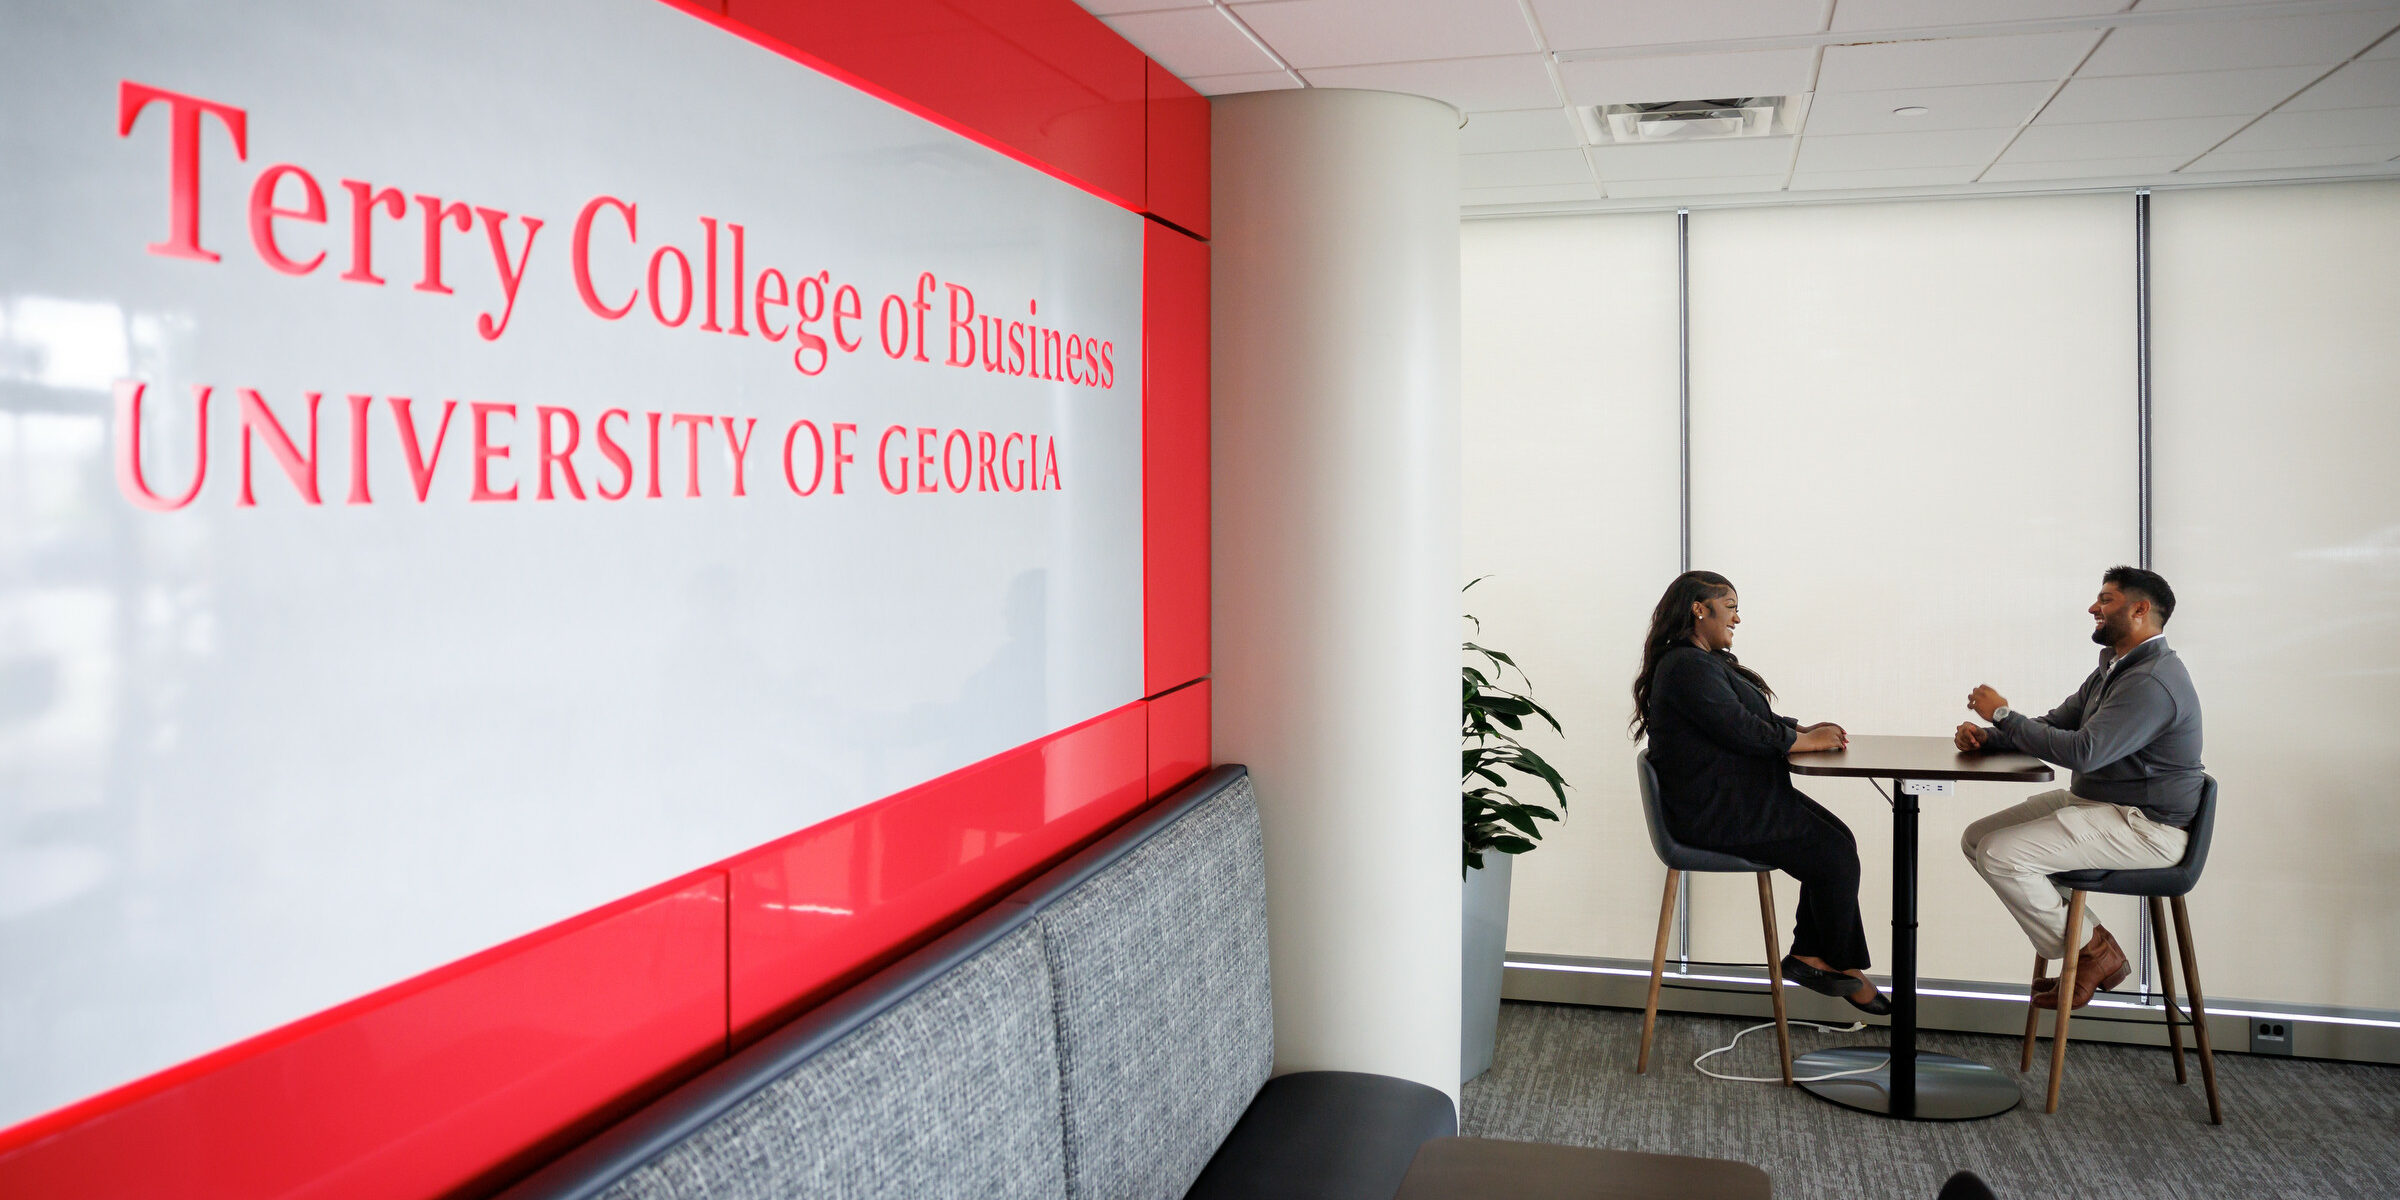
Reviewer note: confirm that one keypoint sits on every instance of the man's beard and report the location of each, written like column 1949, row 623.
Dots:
column 2109, row 632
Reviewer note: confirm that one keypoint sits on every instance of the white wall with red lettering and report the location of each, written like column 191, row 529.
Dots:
column 397, row 554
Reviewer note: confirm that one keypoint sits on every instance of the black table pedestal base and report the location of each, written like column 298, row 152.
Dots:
column 1948, row 1089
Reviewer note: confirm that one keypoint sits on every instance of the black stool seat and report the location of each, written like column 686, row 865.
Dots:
column 1680, row 857
column 2177, row 880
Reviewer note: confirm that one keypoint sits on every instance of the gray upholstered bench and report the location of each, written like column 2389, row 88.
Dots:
column 1104, row 1033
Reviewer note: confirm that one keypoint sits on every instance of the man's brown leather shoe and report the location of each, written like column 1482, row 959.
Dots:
column 2101, row 965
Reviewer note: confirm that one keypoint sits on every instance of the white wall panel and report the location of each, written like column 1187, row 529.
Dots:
column 255, row 761
column 1913, row 451
column 1571, row 511
column 2278, row 522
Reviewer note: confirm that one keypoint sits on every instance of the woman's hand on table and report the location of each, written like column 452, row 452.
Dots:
column 1822, row 736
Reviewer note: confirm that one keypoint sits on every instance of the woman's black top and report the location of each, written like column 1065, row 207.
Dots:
column 1719, row 752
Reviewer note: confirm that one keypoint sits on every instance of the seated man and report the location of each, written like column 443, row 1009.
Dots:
column 2131, row 735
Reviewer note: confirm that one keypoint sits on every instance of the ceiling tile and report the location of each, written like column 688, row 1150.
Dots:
column 1688, row 76
column 1719, row 185
column 2185, row 94
column 2363, row 84
column 2151, row 6
column 1946, row 62
column 2186, row 136
column 1985, row 106
column 2089, row 168
column 1692, row 160
column 1249, row 81
column 1191, row 41
column 1891, row 177
column 2389, row 47
column 1550, row 193
column 1522, row 168
column 1110, row 8
column 2282, row 160
column 1918, row 14
column 1526, row 129
column 1473, row 84
column 1581, row 24
column 1889, row 151
column 1340, row 33
column 2227, row 45
column 2326, row 127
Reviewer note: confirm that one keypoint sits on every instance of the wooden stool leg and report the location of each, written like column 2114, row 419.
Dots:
column 1658, row 967
column 2033, row 1012
column 2191, row 983
column 2166, row 981
column 1766, row 918
column 2066, row 998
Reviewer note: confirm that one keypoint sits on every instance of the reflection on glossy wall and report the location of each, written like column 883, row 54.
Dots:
column 2278, row 385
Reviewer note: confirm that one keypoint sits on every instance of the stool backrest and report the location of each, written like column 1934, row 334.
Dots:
column 1660, row 840
column 2204, row 823
column 1676, row 855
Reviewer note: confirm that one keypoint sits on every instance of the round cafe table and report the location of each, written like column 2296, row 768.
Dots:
column 1909, row 1083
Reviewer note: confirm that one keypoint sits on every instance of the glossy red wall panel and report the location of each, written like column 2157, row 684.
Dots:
column 826, row 905
column 1042, row 78
column 1174, row 458
column 1178, row 737
column 421, row 1089
column 1178, row 158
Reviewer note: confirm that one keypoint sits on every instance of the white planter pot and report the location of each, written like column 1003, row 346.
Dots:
column 1484, row 937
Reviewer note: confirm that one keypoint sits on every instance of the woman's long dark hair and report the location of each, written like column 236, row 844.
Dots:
column 1671, row 625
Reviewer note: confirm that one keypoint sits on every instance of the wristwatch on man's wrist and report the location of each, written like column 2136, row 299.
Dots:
column 2001, row 714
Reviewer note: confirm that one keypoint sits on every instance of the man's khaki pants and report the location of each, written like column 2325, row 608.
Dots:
column 2017, row 849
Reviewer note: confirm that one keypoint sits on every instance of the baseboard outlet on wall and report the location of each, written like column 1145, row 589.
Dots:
column 1960, row 1006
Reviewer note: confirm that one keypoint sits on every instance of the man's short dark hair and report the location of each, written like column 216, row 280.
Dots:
column 2144, row 585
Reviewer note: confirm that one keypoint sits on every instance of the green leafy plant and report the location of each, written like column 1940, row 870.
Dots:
column 1491, row 715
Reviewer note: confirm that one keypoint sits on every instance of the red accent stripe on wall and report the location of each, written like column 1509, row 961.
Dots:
column 1178, row 737
column 827, row 905
column 1041, row 79
column 421, row 1089
column 1178, row 159
column 1174, row 458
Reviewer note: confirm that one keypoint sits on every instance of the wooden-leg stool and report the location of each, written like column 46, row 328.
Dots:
column 2163, row 888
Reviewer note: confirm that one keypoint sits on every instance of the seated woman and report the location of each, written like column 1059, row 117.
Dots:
column 1718, row 749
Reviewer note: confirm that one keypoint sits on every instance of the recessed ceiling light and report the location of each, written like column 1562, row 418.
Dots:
column 1912, row 110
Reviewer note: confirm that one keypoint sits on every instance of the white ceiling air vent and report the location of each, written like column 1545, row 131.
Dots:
column 1693, row 120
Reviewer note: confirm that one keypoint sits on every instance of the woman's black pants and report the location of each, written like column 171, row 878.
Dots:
column 1823, row 855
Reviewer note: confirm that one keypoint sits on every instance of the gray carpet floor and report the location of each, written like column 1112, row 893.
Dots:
column 2123, row 1131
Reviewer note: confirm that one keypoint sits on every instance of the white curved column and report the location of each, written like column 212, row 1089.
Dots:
column 1336, row 548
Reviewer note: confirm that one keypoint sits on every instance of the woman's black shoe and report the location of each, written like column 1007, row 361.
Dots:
column 1817, row 979
column 1835, row 984
column 1880, row 1006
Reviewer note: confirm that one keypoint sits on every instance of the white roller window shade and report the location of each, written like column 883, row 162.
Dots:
column 1913, row 445
column 2277, row 393
column 1571, row 508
